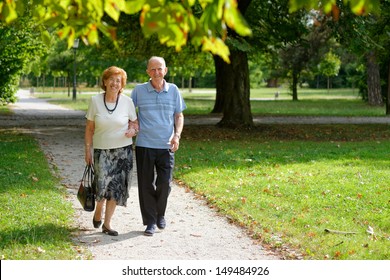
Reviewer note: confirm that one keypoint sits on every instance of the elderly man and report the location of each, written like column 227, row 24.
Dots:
column 160, row 106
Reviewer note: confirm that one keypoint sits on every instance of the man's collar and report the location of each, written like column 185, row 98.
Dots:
column 151, row 88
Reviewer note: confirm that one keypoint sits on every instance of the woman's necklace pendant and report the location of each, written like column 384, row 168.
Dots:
column 110, row 111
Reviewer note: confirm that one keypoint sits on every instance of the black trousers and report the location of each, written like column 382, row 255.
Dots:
column 154, row 174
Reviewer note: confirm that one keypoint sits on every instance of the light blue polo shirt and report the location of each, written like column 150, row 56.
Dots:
column 156, row 114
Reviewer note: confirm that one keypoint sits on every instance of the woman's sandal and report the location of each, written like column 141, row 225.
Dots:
column 109, row 231
column 96, row 224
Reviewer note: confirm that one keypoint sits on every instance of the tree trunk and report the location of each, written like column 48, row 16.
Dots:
column 328, row 84
column 69, row 83
column 190, row 84
column 388, row 91
column 233, row 91
column 219, row 77
column 54, row 84
column 373, row 80
column 295, row 78
column 43, row 83
column 224, row 74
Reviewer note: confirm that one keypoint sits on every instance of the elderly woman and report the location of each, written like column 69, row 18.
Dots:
column 111, row 124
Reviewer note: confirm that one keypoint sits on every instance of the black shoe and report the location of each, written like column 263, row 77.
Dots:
column 161, row 224
column 96, row 224
column 109, row 231
column 149, row 231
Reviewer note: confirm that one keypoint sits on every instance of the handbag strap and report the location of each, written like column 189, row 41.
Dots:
column 91, row 173
column 85, row 173
column 88, row 175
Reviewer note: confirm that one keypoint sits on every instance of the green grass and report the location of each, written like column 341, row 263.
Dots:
column 284, row 93
column 4, row 110
column 312, row 102
column 35, row 217
column 287, row 184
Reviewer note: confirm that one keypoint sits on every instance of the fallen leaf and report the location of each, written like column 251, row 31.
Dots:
column 40, row 250
column 370, row 230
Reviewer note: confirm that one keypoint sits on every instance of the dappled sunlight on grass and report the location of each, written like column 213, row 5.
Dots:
column 36, row 221
column 290, row 192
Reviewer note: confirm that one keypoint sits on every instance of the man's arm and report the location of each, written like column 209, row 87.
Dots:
column 179, row 123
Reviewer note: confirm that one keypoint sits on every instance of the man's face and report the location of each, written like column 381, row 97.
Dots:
column 156, row 70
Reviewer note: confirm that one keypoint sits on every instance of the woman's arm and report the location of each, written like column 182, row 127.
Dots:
column 88, row 140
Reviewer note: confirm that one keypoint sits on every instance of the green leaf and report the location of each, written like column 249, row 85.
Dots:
column 20, row 8
column 133, row 6
column 173, row 37
column 46, row 37
column 39, row 12
column 188, row 3
column 113, row 8
column 64, row 32
column 209, row 19
column 217, row 47
column 153, row 21
column 235, row 20
column 328, row 6
column 92, row 35
column 108, row 31
column 359, row 7
column 8, row 11
column 71, row 38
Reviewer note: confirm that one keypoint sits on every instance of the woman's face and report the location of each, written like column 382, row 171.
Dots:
column 113, row 83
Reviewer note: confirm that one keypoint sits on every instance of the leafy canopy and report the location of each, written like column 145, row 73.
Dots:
column 175, row 22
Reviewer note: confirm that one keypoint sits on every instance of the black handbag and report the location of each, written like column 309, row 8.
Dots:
column 86, row 192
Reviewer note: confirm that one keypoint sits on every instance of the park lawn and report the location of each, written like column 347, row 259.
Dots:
column 287, row 185
column 323, row 107
column 4, row 110
column 312, row 102
column 284, row 93
column 36, row 219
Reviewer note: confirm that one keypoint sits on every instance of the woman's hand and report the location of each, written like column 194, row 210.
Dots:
column 132, row 129
column 88, row 156
column 131, row 132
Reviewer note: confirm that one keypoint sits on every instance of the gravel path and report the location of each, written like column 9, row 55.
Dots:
column 194, row 231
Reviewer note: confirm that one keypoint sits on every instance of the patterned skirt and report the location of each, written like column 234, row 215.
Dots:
column 113, row 168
